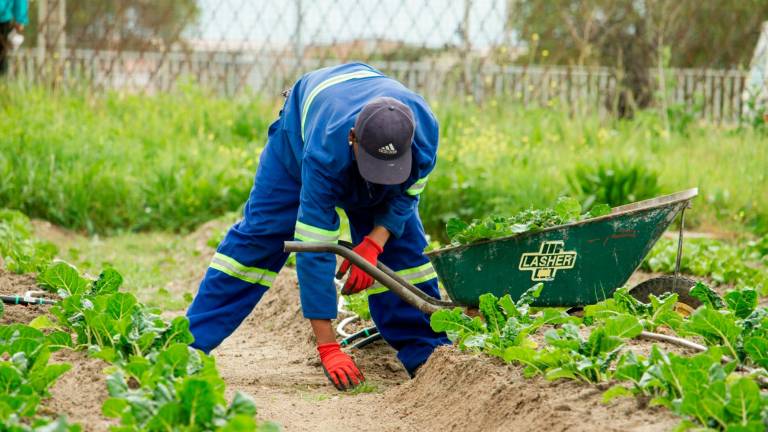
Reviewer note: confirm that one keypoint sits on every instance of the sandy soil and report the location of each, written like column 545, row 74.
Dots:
column 79, row 393
column 271, row 356
column 14, row 284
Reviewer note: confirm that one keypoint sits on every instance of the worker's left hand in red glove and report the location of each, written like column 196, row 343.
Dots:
column 339, row 367
column 359, row 280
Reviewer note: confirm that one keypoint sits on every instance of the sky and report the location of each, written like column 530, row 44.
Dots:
column 431, row 23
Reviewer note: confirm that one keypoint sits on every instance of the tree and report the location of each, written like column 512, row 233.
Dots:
column 630, row 35
column 125, row 24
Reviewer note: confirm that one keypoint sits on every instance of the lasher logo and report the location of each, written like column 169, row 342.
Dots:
column 550, row 258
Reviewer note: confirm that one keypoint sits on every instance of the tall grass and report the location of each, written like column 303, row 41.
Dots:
column 127, row 162
column 171, row 161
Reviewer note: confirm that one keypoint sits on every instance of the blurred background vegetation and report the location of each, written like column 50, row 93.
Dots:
column 123, row 116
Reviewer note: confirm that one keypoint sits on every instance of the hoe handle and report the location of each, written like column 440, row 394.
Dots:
column 384, row 275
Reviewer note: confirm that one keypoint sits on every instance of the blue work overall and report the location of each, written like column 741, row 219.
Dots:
column 305, row 172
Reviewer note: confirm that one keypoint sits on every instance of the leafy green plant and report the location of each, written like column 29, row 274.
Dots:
column 613, row 181
column 566, row 210
column 26, row 375
column 704, row 389
column 725, row 263
column 502, row 322
column 659, row 312
column 159, row 382
column 20, row 251
column 180, row 389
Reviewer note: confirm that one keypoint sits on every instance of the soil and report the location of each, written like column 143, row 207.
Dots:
column 80, row 393
column 272, row 358
column 14, row 284
column 503, row 400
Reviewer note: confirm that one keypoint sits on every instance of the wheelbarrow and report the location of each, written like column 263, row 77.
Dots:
column 579, row 263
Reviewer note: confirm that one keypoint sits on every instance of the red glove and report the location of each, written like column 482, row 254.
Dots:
column 339, row 367
column 359, row 280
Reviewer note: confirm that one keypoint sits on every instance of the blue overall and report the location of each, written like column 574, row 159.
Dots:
column 306, row 171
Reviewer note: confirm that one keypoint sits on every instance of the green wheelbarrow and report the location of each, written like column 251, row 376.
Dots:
column 579, row 263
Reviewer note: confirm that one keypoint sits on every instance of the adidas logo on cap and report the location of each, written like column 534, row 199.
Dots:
column 388, row 149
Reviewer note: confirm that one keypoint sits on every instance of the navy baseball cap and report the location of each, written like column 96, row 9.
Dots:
column 384, row 131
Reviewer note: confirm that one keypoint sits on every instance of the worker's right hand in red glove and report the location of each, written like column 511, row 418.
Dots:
column 359, row 280
column 339, row 367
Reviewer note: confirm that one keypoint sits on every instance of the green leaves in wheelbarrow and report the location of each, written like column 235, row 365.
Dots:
column 566, row 210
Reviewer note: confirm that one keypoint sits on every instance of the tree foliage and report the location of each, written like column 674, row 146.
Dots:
column 633, row 36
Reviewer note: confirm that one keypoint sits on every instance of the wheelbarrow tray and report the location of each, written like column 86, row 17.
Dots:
column 579, row 263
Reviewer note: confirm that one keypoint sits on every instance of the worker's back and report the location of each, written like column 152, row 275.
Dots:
column 322, row 107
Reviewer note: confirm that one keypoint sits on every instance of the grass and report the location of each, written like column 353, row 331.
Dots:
column 115, row 162
column 119, row 162
column 163, row 269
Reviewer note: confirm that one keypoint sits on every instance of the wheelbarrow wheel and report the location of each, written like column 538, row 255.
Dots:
column 658, row 286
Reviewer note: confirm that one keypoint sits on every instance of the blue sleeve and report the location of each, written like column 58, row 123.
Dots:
column 20, row 9
column 398, row 210
column 317, row 221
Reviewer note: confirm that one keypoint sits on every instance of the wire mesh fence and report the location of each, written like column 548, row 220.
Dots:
column 442, row 48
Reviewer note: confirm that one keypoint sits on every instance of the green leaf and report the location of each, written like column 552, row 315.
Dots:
column 242, row 423
column 457, row 325
column 598, row 210
column 43, row 322
column 169, row 417
column 745, row 400
column 59, row 339
column 121, row 305
column 568, row 208
column 707, row 296
column 109, row 282
column 41, row 379
column 108, row 354
column 198, row 399
column 615, row 392
column 454, row 227
column 242, row 404
column 756, row 348
column 716, row 327
column 63, row 277
column 530, row 295
column 741, row 302
column 559, row 373
column 494, row 319
column 624, row 326
column 113, row 407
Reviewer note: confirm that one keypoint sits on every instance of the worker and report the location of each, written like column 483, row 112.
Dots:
column 347, row 137
column 13, row 16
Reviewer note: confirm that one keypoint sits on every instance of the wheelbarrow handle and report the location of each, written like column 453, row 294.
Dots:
column 407, row 292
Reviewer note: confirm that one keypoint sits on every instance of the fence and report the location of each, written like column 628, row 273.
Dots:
column 120, row 44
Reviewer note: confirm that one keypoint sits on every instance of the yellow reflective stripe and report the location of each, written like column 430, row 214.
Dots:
column 414, row 275
column 376, row 290
column 233, row 268
column 306, row 232
column 418, row 187
column 327, row 83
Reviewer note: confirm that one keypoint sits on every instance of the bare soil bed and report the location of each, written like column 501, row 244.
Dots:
column 271, row 356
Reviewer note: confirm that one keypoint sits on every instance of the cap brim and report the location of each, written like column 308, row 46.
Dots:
column 384, row 172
